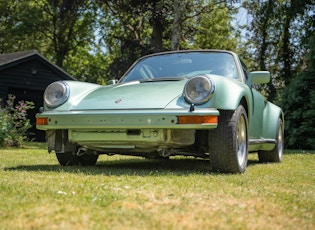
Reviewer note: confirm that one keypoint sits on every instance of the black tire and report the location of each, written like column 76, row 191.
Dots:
column 88, row 159
column 228, row 143
column 70, row 159
column 276, row 154
column 67, row 159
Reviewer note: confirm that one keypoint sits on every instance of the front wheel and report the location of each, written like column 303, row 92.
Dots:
column 88, row 159
column 67, row 159
column 71, row 158
column 228, row 143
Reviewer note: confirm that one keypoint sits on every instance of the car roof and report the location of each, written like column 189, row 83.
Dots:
column 190, row 51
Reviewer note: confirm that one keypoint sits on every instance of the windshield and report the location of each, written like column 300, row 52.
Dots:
column 177, row 65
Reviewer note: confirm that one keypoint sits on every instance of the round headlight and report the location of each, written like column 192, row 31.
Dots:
column 56, row 94
column 198, row 90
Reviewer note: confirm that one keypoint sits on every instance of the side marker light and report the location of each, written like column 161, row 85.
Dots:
column 197, row 120
column 41, row 121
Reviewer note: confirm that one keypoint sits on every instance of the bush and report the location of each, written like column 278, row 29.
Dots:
column 13, row 122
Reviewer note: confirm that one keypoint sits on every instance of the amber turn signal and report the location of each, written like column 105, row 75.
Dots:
column 197, row 120
column 41, row 121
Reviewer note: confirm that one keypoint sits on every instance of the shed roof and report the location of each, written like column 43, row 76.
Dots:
column 12, row 59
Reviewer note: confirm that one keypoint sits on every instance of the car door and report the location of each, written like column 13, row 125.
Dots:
column 256, row 121
column 256, row 109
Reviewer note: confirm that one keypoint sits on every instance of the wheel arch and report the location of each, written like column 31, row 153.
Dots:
column 244, row 103
column 229, row 94
column 271, row 115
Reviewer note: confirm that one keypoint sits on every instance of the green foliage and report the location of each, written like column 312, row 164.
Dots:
column 215, row 31
column 98, row 40
column 20, row 23
column 55, row 28
column 88, row 65
column 298, row 103
column 13, row 122
column 277, row 37
column 133, row 29
column 69, row 25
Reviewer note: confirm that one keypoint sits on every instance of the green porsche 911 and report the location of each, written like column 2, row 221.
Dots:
column 194, row 103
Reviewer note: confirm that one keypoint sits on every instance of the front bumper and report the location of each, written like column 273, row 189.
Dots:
column 199, row 119
column 125, row 131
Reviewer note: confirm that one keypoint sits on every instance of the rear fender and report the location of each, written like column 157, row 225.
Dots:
column 270, row 121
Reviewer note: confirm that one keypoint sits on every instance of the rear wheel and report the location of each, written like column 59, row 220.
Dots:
column 276, row 154
column 228, row 143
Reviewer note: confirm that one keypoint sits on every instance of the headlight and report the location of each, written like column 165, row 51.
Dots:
column 56, row 94
column 198, row 90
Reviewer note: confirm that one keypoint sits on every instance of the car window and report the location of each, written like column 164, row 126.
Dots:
column 172, row 65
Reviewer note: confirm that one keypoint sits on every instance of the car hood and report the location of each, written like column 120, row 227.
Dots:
column 132, row 95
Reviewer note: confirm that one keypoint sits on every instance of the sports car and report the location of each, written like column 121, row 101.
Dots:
column 199, row 103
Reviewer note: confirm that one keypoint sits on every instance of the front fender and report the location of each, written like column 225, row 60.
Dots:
column 229, row 93
column 78, row 90
column 227, row 96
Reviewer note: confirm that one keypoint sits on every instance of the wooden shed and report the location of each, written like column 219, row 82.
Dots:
column 26, row 75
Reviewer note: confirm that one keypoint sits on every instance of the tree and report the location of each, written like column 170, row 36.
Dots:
column 298, row 103
column 54, row 27
column 277, row 37
column 69, row 25
column 19, row 23
column 215, row 31
column 99, row 40
column 88, row 65
column 179, row 9
column 126, row 31
column 193, row 21
column 134, row 28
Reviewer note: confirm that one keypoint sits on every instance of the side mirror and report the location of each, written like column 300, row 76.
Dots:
column 111, row 82
column 258, row 77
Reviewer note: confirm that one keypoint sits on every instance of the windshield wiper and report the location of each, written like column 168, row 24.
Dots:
column 162, row 79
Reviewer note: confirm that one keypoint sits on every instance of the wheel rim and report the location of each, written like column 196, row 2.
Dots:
column 280, row 141
column 241, row 141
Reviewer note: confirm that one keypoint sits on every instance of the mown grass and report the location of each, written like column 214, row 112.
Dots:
column 133, row 193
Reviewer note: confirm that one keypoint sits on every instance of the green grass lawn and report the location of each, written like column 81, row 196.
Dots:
column 133, row 193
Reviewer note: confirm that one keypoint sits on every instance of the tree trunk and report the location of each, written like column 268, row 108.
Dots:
column 157, row 34
column 177, row 24
column 286, row 51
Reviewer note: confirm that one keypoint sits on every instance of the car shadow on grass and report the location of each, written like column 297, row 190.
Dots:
column 134, row 166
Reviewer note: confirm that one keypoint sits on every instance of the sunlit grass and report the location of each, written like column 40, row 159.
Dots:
column 132, row 193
